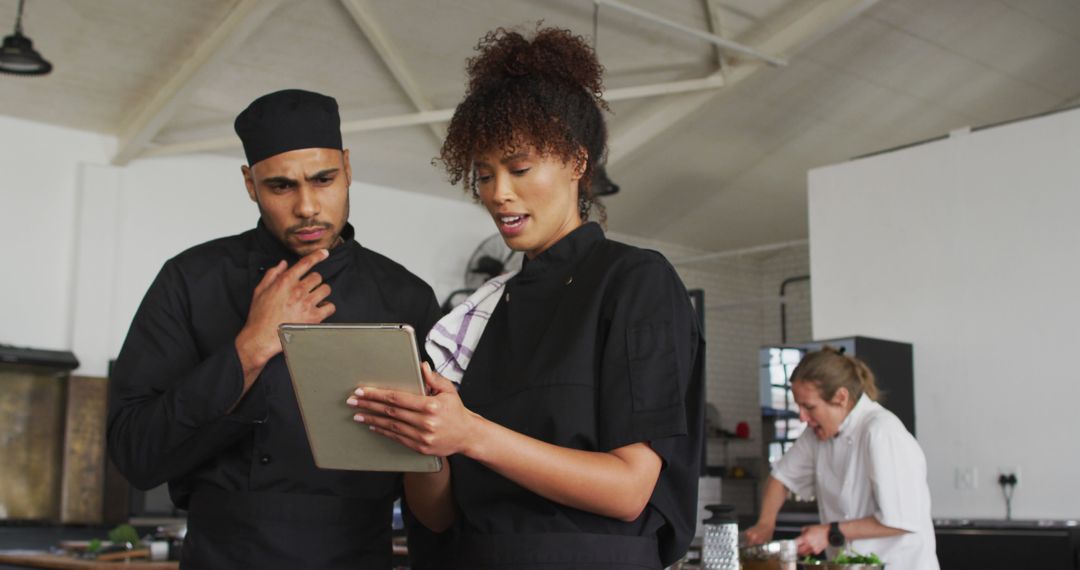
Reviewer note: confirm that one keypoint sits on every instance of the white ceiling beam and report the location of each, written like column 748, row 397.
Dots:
column 244, row 18
column 708, row 83
column 716, row 26
column 705, row 36
column 786, row 33
column 1068, row 102
column 391, row 57
column 712, row 82
column 348, row 127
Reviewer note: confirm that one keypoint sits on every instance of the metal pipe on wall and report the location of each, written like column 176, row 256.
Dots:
column 783, row 303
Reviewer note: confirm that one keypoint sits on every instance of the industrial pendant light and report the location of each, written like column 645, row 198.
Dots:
column 17, row 54
column 602, row 185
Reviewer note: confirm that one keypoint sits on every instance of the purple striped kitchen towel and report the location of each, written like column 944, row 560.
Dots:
column 451, row 341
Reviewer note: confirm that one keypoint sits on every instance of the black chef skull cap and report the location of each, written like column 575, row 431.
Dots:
column 288, row 120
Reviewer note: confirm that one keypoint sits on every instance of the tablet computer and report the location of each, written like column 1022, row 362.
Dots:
column 327, row 362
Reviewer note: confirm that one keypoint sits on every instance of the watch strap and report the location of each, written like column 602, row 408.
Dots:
column 836, row 537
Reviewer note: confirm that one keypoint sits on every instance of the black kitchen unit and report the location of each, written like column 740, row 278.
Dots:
column 1008, row 544
column 986, row 544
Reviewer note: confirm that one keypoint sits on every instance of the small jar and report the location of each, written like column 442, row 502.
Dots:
column 720, row 550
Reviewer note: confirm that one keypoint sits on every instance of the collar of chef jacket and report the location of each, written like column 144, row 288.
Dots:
column 567, row 250
column 858, row 413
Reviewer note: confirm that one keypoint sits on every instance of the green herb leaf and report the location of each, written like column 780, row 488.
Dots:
column 852, row 557
column 124, row 533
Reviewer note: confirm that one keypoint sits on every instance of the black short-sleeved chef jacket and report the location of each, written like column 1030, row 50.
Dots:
column 247, row 476
column 594, row 345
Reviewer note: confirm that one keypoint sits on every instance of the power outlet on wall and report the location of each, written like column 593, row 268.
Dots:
column 967, row 478
column 1007, row 471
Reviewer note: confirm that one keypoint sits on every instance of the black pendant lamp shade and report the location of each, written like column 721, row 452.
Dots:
column 17, row 54
column 602, row 185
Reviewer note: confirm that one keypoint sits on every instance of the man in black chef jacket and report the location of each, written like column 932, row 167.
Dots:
column 201, row 397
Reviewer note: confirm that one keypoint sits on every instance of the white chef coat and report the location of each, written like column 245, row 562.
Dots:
column 872, row 467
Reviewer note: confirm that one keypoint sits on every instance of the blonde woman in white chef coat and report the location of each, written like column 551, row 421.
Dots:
column 866, row 471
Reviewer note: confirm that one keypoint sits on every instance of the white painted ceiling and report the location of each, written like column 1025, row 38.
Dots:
column 717, row 169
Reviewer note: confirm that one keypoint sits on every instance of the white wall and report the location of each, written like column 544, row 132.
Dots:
column 83, row 240
column 968, row 248
column 37, row 209
column 433, row 237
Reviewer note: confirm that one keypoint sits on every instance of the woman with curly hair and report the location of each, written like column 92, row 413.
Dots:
column 575, row 438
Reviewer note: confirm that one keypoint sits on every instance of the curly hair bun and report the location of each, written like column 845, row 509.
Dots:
column 554, row 53
column 542, row 92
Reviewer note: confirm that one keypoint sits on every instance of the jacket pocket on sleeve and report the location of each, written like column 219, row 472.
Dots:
column 654, row 380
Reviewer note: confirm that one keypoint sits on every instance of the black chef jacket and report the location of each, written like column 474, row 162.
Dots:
column 594, row 346
column 247, row 477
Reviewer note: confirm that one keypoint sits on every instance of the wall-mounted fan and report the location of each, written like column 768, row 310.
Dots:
column 490, row 259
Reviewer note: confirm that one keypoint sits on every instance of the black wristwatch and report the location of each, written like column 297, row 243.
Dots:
column 836, row 538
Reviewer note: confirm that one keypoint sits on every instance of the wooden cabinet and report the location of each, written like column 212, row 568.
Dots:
column 53, row 465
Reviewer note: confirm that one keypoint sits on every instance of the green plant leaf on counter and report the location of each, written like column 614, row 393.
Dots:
column 94, row 545
column 852, row 557
column 124, row 533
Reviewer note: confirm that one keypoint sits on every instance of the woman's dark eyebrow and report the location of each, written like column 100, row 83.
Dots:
column 513, row 157
column 503, row 160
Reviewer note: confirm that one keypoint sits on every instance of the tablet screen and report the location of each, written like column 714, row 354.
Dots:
column 328, row 361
